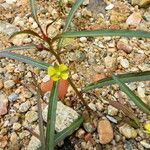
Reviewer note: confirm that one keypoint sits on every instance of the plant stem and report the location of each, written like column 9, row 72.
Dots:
column 79, row 94
column 54, row 53
column 41, row 126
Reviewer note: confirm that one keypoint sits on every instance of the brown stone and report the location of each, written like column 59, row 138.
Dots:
column 121, row 45
column 105, row 131
column 62, row 87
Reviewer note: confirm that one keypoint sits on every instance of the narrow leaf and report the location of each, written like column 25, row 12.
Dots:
column 24, row 59
column 137, row 101
column 71, row 14
column 107, row 32
column 31, row 46
column 129, row 77
column 127, row 111
column 51, row 117
column 26, row 32
column 70, row 17
column 33, row 10
column 68, row 131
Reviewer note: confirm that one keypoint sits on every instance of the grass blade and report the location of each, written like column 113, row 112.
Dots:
column 31, row 46
column 127, row 111
column 26, row 32
column 33, row 10
column 107, row 32
column 51, row 117
column 71, row 14
column 24, row 59
column 129, row 77
column 137, row 101
column 68, row 131
column 69, row 17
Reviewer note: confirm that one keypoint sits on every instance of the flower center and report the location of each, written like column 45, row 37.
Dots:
column 58, row 73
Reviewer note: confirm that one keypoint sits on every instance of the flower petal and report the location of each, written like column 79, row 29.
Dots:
column 63, row 68
column 64, row 76
column 51, row 71
column 55, row 78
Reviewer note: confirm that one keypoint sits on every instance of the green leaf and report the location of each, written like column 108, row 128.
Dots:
column 33, row 10
column 127, row 111
column 137, row 101
column 26, row 32
column 68, row 131
column 24, row 59
column 129, row 77
column 70, row 17
column 31, row 46
column 51, row 117
column 106, row 32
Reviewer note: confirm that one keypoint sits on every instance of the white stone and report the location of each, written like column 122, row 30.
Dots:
column 24, row 106
column 34, row 25
column 92, row 106
column 110, row 62
column 124, row 63
column 112, row 110
column 145, row 144
column 46, row 78
column 109, row 7
column 34, row 143
column 10, row 1
column 86, row 2
column 64, row 116
column 7, row 28
column 83, row 39
column 141, row 91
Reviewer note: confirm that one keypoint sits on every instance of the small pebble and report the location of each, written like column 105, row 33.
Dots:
column 110, row 63
column 31, row 116
column 13, row 97
column 83, row 39
column 88, row 127
column 16, row 126
column 105, row 131
column 1, row 83
column 124, row 63
column 10, row 1
column 46, row 78
column 3, row 104
column 123, row 45
column 92, row 106
column 109, row 7
column 9, row 84
column 111, row 119
column 80, row 133
column 24, row 107
column 134, row 19
column 13, row 137
column 112, row 111
column 128, row 131
column 145, row 144
column 46, row 96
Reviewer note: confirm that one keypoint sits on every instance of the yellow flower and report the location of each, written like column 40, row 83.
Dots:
column 58, row 72
column 147, row 128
